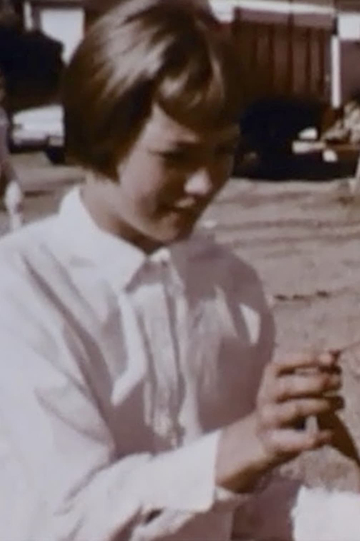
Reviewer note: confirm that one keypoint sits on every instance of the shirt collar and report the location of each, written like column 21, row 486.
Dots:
column 119, row 260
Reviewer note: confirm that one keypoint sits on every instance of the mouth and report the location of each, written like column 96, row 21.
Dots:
column 186, row 208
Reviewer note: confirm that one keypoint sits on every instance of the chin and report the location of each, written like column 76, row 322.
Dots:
column 170, row 232
column 182, row 234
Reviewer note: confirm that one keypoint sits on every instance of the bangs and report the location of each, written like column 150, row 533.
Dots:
column 204, row 90
column 170, row 52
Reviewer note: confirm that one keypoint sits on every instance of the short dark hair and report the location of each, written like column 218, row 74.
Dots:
column 171, row 52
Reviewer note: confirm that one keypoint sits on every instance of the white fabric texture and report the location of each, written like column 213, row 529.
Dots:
column 326, row 516
column 117, row 370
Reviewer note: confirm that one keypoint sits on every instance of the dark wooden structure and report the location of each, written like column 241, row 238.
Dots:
column 284, row 53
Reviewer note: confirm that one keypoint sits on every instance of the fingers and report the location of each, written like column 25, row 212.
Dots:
column 279, row 384
column 325, row 361
column 289, row 443
column 291, row 391
column 289, row 413
column 312, row 384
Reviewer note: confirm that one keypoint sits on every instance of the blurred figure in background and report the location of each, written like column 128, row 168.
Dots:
column 30, row 67
column 10, row 190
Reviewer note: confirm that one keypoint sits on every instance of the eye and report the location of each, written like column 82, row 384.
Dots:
column 176, row 155
column 176, row 158
column 226, row 150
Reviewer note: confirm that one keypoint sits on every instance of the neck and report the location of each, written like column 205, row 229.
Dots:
column 106, row 221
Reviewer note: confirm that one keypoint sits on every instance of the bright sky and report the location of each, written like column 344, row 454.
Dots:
column 280, row 6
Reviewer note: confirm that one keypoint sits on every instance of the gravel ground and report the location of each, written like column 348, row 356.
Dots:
column 303, row 238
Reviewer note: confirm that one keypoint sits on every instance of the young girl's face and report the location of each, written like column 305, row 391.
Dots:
column 166, row 181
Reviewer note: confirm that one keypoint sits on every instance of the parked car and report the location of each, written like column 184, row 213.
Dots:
column 31, row 67
column 39, row 128
column 269, row 126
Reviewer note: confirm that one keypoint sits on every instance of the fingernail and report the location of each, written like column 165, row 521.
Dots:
column 331, row 357
column 335, row 380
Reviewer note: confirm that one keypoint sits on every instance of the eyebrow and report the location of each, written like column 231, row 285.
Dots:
column 190, row 146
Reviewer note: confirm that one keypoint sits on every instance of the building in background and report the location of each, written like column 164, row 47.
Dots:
column 307, row 49
column 62, row 20
column 348, row 31
column 302, row 47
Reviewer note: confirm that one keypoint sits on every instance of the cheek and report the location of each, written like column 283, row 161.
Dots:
column 220, row 173
column 135, row 182
column 143, row 195
column 226, row 165
column 157, row 186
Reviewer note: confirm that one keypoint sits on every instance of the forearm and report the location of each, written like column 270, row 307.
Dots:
column 241, row 458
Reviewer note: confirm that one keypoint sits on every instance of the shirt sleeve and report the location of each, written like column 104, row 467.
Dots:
column 59, row 466
column 59, row 469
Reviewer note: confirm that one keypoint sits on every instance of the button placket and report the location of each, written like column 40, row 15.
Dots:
column 155, row 317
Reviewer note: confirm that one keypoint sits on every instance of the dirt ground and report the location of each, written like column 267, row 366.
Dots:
column 304, row 240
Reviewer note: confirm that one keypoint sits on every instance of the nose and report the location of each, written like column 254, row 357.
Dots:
column 199, row 183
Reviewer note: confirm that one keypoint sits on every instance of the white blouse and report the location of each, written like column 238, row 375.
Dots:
column 117, row 372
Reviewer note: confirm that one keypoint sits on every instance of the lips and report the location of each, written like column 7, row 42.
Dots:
column 186, row 205
column 186, row 212
column 190, row 207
